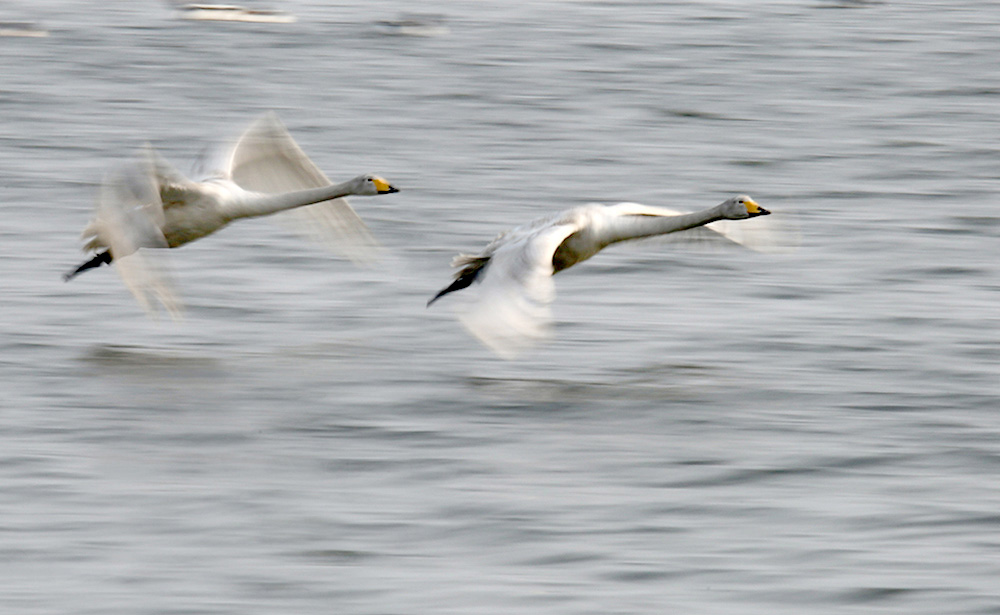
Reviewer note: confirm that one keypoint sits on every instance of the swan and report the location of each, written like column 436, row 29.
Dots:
column 232, row 12
column 149, row 204
column 515, row 270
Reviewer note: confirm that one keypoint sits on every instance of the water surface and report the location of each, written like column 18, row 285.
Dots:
column 708, row 432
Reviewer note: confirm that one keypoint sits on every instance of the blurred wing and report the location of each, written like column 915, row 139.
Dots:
column 146, row 274
column 512, row 311
column 267, row 159
column 774, row 234
column 129, row 214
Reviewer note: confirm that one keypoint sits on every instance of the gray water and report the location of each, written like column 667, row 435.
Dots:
column 707, row 432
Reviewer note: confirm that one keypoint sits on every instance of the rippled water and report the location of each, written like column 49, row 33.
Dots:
column 708, row 432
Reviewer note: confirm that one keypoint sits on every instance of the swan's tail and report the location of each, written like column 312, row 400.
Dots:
column 99, row 259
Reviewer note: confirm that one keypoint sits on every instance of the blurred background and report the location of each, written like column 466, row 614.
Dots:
column 707, row 432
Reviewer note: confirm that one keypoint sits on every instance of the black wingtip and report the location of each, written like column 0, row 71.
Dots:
column 462, row 281
column 435, row 298
column 103, row 258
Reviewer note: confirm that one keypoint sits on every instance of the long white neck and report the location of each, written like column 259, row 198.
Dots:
column 639, row 226
column 254, row 204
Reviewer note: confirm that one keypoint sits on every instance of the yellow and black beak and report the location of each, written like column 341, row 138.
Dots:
column 753, row 209
column 383, row 186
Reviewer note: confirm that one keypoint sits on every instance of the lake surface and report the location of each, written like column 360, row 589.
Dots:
column 708, row 432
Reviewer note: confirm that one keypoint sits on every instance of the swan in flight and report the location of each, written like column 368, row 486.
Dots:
column 149, row 204
column 515, row 270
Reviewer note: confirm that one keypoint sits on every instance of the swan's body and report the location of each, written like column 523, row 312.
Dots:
column 516, row 269
column 151, row 205
column 232, row 12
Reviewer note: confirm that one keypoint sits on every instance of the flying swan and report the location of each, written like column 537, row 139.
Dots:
column 149, row 204
column 515, row 270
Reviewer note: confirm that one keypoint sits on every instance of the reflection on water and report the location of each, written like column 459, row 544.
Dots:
column 125, row 360
column 647, row 384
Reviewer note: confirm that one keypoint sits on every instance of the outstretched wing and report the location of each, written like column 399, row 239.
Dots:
column 129, row 215
column 773, row 234
column 512, row 310
column 267, row 159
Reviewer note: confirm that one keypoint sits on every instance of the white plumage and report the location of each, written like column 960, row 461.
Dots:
column 511, row 312
column 149, row 204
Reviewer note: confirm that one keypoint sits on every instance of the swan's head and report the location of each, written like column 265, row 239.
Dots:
column 370, row 185
column 742, row 206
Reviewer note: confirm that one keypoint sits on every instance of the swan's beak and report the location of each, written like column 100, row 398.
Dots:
column 383, row 186
column 754, row 210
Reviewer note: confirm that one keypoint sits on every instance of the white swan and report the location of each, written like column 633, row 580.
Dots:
column 516, row 269
column 232, row 12
column 148, row 204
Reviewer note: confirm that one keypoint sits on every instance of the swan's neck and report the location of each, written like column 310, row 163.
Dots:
column 254, row 204
column 639, row 226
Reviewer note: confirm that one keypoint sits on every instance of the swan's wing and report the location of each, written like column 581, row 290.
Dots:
column 773, row 233
column 174, row 189
column 146, row 274
column 267, row 159
column 512, row 311
column 129, row 215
